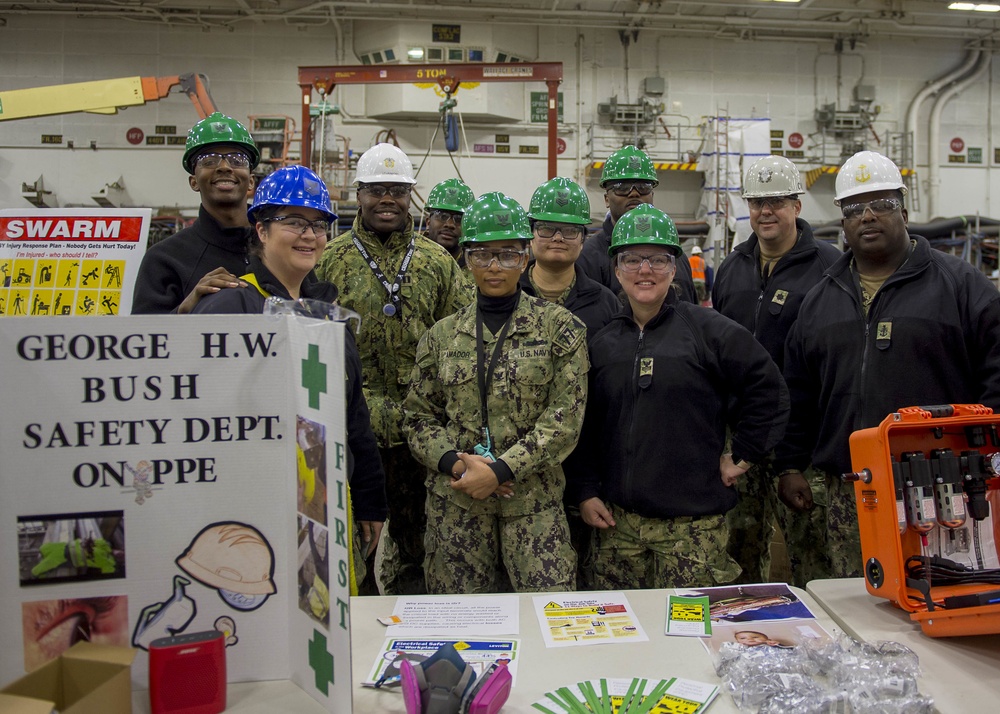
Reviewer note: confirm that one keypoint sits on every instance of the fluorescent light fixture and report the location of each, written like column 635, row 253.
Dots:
column 415, row 53
column 974, row 7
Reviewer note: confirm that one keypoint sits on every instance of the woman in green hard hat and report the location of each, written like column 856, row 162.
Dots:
column 629, row 180
column 667, row 378
column 496, row 404
column 560, row 213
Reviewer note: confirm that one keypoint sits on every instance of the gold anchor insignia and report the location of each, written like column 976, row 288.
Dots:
column 863, row 174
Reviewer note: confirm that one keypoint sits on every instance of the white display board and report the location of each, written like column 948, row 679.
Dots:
column 165, row 475
column 70, row 261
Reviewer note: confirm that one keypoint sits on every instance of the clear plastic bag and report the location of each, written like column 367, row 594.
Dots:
column 316, row 309
column 860, row 677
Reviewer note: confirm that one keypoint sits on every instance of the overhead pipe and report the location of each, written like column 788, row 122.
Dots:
column 933, row 87
column 934, row 135
column 580, row 179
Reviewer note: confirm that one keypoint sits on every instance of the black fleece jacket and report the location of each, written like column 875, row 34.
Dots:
column 769, row 307
column 932, row 336
column 659, row 402
column 171, row 268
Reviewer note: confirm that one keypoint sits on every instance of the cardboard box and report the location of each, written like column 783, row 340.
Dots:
column 85, row 679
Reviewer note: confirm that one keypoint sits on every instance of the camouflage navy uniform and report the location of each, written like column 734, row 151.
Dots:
column 536, row 405
column 431, row 289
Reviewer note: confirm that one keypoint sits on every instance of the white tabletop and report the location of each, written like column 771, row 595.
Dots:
column 962, row 674
column 540, row 669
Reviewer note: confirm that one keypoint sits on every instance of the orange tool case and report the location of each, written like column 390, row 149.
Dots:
column 922, row 476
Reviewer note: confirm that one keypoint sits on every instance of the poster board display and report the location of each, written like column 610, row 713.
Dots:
column 70, row 261
column 166, row 475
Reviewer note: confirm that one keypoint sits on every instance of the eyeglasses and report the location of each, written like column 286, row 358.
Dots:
column 878, row 207
column 396, row 190
column 483, row 258
column 568, row 232
column 624, row 188
column 235, row 159
column 300, row 225
column 632, row 262
column 444, row 216
column 776, row 203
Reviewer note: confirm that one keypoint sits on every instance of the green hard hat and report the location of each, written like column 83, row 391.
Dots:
column 450, row 195
column 494, row 216
column 560, row 200
column 629, row 164
column 645, row 225
column 217, row 128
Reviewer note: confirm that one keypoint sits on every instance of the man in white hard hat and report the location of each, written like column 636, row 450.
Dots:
column 892, row 324
column 401, row 283
column 761, row 285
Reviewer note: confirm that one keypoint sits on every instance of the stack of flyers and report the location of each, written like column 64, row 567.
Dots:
column 629, row 696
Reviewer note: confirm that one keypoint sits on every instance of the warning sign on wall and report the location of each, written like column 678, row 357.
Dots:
column 65, row 261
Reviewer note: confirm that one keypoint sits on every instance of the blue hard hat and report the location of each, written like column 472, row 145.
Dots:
column 292, row 186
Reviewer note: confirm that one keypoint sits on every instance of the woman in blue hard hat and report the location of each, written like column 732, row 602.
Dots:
column 667, row 377
column 291, row 217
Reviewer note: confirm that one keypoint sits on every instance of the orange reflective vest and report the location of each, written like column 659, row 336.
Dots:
column 697, row 268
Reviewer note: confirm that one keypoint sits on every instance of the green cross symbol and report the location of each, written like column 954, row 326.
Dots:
column 314, row 376
column 321, row 662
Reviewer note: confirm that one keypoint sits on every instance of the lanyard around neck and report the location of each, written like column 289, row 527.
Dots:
column 484, row 375
column 395, row 303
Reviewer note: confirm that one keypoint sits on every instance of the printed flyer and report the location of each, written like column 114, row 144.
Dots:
column 573, row 619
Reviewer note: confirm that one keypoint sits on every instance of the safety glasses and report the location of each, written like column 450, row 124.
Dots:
column 235, row 159
column 483, row 258
column 301, row 225
column 632, row 262
column 878, row 207
column 396, row 190
column 624, row 188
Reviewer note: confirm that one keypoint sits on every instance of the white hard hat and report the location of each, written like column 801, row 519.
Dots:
column 696, row 250
column 867, row 172
column 384, row 163
column 772, row 176
column 231, row 556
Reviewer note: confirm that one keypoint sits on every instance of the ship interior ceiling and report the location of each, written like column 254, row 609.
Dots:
column 835, row 122
column 715, row 18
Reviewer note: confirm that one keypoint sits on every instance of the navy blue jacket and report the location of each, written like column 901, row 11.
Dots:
column 768, row 308
column 932, row 336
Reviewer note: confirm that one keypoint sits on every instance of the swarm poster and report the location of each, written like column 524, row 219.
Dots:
column 152, row 475
column 70, row 261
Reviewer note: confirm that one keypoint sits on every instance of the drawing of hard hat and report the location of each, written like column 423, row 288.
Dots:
column 234, row 558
